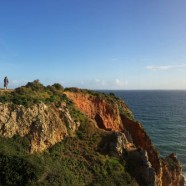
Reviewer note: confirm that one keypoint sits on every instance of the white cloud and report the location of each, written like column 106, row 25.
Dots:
column 19, row 81
column 100, row 82
column 108, row 84
column 16, row 83
column 165, row 67
column 120, row 83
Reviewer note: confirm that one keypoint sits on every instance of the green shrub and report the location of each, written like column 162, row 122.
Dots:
column 33, row 93
column 58, row 86
column 72, row 162
column 17, row 171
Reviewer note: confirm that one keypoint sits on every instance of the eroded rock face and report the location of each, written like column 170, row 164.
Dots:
column 153, row 170
column 142, row 140
column 106, row 114
column 140, row 167
column 168, row 171
column 121, row 143
column 45, row 125
column 172, row 172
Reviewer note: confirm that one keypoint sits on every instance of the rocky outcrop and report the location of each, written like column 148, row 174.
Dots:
column 142, row 140
column 137, row 160
column 120, row 143
column 172, row 172
column 140, row 167
column 44, row 125
column 132, row 138
column 168, row 171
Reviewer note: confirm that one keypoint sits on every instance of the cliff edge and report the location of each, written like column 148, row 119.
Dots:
column 111, row 113
column 52, row 136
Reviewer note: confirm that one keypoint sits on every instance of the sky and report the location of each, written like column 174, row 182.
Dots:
column 94, row 44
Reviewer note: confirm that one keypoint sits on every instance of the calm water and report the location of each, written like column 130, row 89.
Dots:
column 163, row 115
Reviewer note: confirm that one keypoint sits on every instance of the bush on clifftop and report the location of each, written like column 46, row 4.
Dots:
column 34, row 92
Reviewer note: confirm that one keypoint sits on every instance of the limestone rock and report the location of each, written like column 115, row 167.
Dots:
column 45, row 125
column 141, row 168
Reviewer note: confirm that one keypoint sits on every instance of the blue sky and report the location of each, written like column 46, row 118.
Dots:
column 94, row 44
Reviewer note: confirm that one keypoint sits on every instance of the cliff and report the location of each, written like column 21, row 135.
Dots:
column 52, row 136
column 108, row 116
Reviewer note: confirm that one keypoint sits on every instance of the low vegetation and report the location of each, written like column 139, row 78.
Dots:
column 34, row 92
column 75, row 161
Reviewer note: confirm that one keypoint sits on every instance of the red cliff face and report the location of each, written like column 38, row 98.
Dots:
column 141, row 139
column 105, row 114
column 112, row 115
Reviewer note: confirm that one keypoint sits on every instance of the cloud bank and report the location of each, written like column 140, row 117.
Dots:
column 165, row 67
column 109, row 84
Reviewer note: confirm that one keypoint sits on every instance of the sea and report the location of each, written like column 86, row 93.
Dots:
column 163, row 115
